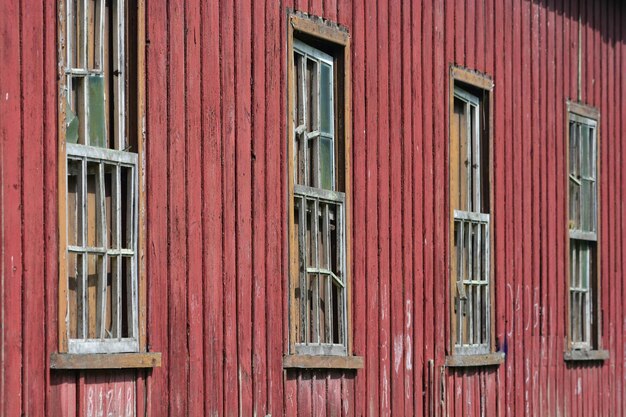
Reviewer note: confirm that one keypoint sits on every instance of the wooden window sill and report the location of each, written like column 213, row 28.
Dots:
column 489, row 359
column 322, row 362
column 105, row 360
column 586, row 355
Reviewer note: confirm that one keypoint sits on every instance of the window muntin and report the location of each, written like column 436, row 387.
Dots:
column 582, row 224
column 319, row 208
column 101, row 183
column 470, row 234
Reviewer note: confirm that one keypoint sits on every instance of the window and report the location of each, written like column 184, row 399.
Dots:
column 470, row 214
column 318, row 192
column 99, row 175
column 583, row 300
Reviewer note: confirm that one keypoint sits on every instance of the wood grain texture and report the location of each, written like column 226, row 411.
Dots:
column 216, row 207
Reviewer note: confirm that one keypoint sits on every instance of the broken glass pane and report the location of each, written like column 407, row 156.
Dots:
column 71, row 125
column 97, row 118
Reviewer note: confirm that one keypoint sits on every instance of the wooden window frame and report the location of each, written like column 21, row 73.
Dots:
column 460, row 77
column 69, row 357
column 307, row 28
column 584, row 351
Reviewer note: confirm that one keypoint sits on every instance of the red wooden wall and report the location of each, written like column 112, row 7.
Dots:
column 216, row 191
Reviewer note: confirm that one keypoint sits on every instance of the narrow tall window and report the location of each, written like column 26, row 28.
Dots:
column 99, row 190
column 319, row 195
column 319, row 208
column 583, row 232
column 471, row 286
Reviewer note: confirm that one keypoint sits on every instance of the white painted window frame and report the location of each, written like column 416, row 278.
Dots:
column 586, row 237
column 474, row 219
column 324, row 196
column 120, row 158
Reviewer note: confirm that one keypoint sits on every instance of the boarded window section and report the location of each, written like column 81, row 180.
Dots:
column 582, row 229
column 102, row 183
column 469, row 199
column 319, row 209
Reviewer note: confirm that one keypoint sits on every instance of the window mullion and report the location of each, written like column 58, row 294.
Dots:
column 102, row 260
column 315, row 298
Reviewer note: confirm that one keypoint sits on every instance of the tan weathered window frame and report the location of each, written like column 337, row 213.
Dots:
column 461, row 80
column 587, row 349
column 123, row 352
column 331, row 38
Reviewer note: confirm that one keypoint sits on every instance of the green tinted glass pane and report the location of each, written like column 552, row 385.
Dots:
column 326, row 163
column 71, row 125
column 326, row 99
column 97, row 120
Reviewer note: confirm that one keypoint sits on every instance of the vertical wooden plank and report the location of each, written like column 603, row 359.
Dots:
column 33, row 315
column 212, row 204
column 194, row 195
column 359, row 198
column 459, row 32
column 418, row 193
column 319, row 401
column 371, row 218
column 157, row 220
column 407, row 302
column 305, row 392
column 383, row 165
column 524, row 119
column 259, row 319
column 177, row 213
column 275, row 186
column 535, row 209
column 508, row 214
column 316, row 7
column 243, row 193
column 228, row 165
column 395, row 135
column 330, row 10
column 440, row 181
column 334, row 394
column 11, row 285
column 57, row 386
column 471, row 26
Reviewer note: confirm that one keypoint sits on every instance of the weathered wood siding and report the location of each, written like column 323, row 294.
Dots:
column 216, row 200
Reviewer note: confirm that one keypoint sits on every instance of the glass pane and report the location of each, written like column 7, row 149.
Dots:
column 78, row 40
column 109, row 176
column 312, row 95
column 73, row 281
column 299, row 82
column 337, row 309
column 128, row 207
column 592, row 152
column 94, row 33
column 126, row 305
column 586, row 198
column 573, row 149
column 585, row 168
column 75, row 114
column 326, row 163
column 326, row 99
column 74, row 175
column 574, row 205
column 97, row 118
column 94, row 220
column 584, row 265
column 71, row 125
